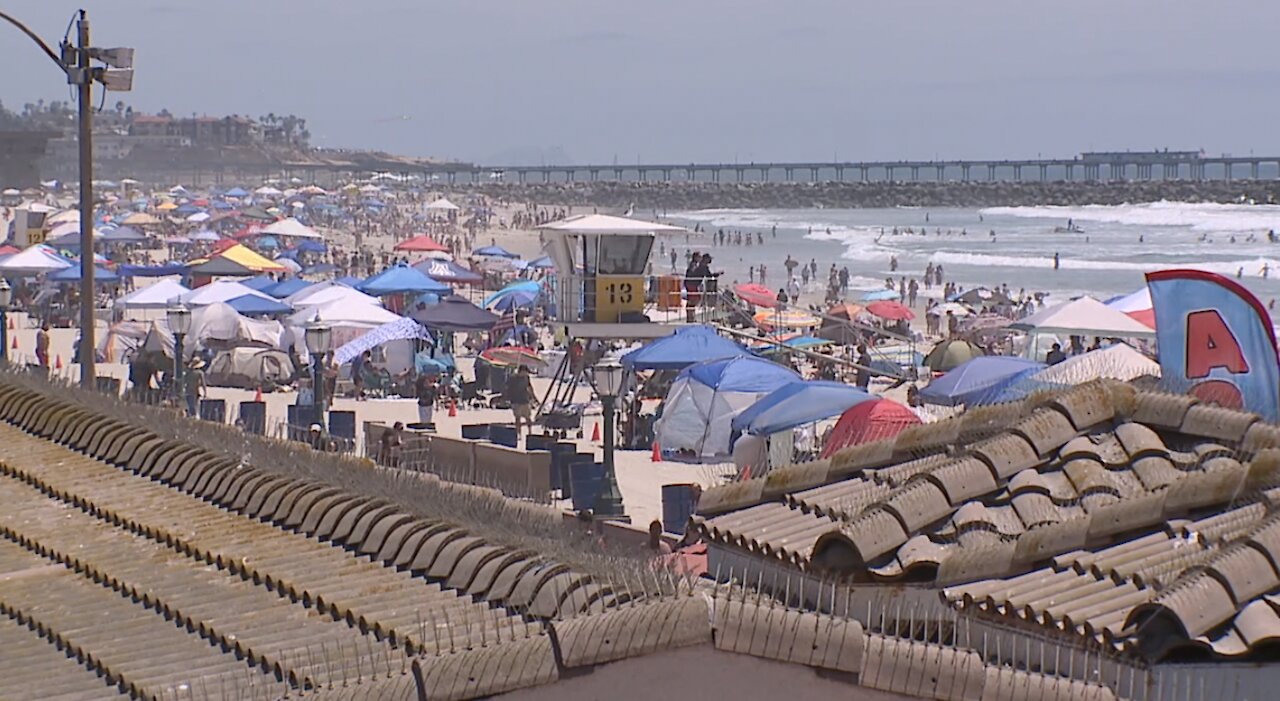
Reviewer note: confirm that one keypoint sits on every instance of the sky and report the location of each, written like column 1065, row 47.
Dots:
column 677, row 81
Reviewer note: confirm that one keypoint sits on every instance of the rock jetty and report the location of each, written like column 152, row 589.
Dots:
column 686, row 196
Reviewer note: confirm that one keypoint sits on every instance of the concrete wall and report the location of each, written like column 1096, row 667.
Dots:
column 699, row 672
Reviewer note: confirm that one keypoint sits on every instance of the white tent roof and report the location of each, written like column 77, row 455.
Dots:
column 33, row 261
column 220, row 291
column 267, row 191
column 1085, row 316
column 329, row 292
column 339, row 313
column 155, row 296
column 291, row 227
column 608, row 224
column 1118, row 362
column 443, row 204
column 1133, row 302
column 69, row 227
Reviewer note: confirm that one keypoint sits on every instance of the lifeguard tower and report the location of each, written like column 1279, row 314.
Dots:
column 601, row 282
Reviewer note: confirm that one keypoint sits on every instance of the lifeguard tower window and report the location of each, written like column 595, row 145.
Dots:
column 624, row 255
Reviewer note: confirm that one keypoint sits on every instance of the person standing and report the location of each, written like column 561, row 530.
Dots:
column 193, row 387
column 862, row 377
column 519, row 394
column 427, row 392
column 42, row 345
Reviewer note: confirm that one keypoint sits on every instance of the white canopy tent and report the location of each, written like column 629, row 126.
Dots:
column 35, row 260
column 348, row 321
column 1085, row 316
column 330, row 292
column 1116, row 362
column 291, row 228
column 442, row 205
column 160, row 295
column 220, row 291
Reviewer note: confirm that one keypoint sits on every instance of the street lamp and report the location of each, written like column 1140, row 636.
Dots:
column 6, row 298
column 77, row 62
column 180, row 324
column 317, row 335
column 606, row 377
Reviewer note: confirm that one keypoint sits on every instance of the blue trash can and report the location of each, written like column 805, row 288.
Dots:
column 677, row 506
column 214, row 410
column 253, row 417
column 585, row 478
column 561, row 455
column 504, row 434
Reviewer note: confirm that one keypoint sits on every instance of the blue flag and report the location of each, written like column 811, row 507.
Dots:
column 1216, row 341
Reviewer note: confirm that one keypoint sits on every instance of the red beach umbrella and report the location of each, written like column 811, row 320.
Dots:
column 893, row 311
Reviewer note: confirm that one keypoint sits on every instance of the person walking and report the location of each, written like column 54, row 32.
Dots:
column 42, row 345
column 193, row 387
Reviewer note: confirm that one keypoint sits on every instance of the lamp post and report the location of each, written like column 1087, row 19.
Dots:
column 606, row 377
column 6, row 297
column 318, row 335
column 180, row 324
column 76, row 62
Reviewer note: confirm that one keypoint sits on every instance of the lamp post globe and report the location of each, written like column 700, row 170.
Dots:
column 6, row 298
column 607, row 377
column 318, row 336
column 179, row 318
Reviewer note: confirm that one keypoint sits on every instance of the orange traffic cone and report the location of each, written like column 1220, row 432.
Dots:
column 595, row 433
column 657, row 453
column 57, row 362
column 453, row 407
column 257, row 396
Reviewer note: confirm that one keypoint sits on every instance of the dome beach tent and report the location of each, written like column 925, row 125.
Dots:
column 978, row 380
column 688, row 345
column 869, row 421
column 796, row 404
column 699, row 408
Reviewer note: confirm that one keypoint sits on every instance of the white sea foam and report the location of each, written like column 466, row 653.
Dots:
column 1200, row 216
column 1227, row 267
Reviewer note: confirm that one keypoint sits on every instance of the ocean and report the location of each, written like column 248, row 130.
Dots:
column 1114, row 246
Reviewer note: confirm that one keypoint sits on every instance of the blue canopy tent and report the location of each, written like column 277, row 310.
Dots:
column 163, row 270
column 72, row 274
column 979, row 380
column 349, row 281
column 253, row 305
column 797, row 404
column 311, row 246
column 284, row 288
column 494, row 251
column 268, row 242
column 689, row 345
column 448, row 272
column 260, row 283
column 698, row 411
column 401, row 279
column 237, row 192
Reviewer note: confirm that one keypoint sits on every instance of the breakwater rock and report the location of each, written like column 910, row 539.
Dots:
column 684, row 196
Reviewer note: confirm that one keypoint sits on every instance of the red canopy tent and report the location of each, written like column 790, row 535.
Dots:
column 867, row 422
column 421, row 244
column 1146, row 317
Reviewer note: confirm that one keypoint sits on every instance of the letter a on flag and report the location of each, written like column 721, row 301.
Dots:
column 1216, row 341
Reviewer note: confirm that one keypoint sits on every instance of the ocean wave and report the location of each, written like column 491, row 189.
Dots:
column 1199, row 216
column 1227, row 267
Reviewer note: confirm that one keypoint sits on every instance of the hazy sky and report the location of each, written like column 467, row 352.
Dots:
column 685, row 80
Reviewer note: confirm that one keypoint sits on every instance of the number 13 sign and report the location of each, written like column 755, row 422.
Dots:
column 618, row 294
